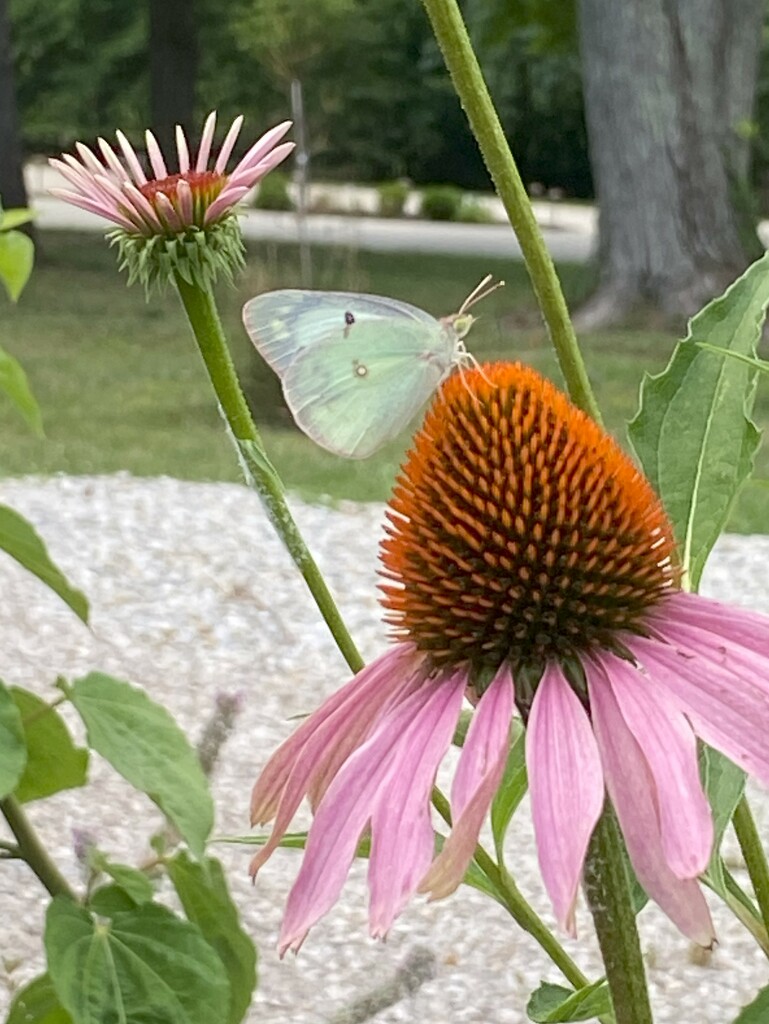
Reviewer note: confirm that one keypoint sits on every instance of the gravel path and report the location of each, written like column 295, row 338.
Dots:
column 191, row 596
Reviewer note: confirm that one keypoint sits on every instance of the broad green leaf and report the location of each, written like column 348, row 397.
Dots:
column 53, row 761
column 134, row 883
column 757, row 364
column 146, row 965
column 554, row 1004
column 692, row 433
column 141, row 740
column 724, row 784
column 207, row 903
column 15, row 218
column 37, row 1003
column 110, row 900
column 756, row 1012
column 19, row 539
column 13, row 381
column 511, row 790
column 17, row 257
column 13, row 750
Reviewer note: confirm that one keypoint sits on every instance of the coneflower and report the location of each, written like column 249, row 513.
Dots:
column 178, row 221
column 529, row 565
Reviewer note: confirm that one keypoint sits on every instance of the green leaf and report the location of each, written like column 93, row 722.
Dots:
column 13, row 381
column 141, row 740
column 17, row 257
column 554, row 1004
column 13, row 750
column 511, row 790
column 110, row 900
column 757, row 364
column 756, row 1012
column 37, row 1003
column 207, row 903
column 692, row 432
column 134, row 883
column 15, row 218
column 146, row 965
column 53, row 761
column 724, row 784
column 19, row 539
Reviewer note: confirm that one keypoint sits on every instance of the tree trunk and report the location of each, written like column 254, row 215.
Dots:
column 173, row 68
column 12, row 189
column 669, row 84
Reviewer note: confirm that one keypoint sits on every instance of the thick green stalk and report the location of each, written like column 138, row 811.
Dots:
column 32, row 850
column 473, row 93
column 201, row 311
column 512, row 900
column 755, row 858
column 608, row 896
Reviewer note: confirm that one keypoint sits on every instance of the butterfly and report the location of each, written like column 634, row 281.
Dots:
column 355, row 369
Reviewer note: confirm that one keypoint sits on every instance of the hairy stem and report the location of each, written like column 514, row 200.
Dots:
column 31, row 850
column 608, row 896
column 466, row 74
column 261, row 475
column 755, row 858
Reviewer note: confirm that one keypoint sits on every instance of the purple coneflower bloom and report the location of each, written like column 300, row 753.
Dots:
column 167, row 202
column 532, row 566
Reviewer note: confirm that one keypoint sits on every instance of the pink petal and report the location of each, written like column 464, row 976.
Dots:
column 88, row 159
column 721, row 650
column 182, row 150
column 111, row 160
column 157, row 162
column 142, row 205
column 226, row 199
column 566, row 785
column 670, row 749
column 420, row 721
column 130, row 157
column 186, row 204
column 728, row 712
column 262, row 146
column 403, row 840
column 205, row 143
column 480, row 770
column 166, row 210
column 249, row 176
column 632, row 791
column 737, row 624
column 362, row 697
column 100, row 209
column 229, row 142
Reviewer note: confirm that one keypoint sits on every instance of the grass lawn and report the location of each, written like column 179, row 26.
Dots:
column 122, row 388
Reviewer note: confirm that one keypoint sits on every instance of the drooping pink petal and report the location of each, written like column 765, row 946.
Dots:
column 402, row 837
column 480, row 770
column 720, row 650
column 632, row 791
column 157, row 162
column 737, row 624
column 328, row 741
column 669, row 746
column 728, row 712
column 566, row 786
column 420, row 720
column 224, row 153
column 205, row 142
column 359, row 700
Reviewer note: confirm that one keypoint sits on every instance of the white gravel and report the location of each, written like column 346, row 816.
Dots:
column 191, row 595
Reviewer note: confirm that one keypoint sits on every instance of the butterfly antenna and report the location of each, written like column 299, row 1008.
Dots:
column 481, row 291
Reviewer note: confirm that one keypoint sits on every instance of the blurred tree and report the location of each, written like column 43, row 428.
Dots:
column 12, row 189
column 669, row 92
column 173, row 58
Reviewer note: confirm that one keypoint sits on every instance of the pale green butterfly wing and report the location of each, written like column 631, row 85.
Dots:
column 282, row 324
column 353, row 391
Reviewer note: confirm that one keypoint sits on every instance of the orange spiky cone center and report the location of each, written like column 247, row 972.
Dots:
column 518, row 529
column 205, row 185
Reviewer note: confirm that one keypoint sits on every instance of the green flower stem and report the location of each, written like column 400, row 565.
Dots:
column 32, row 850
column 469, row 83
column 755, row 858
column 608, row 896
column 206, row 326
column 515, row 904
